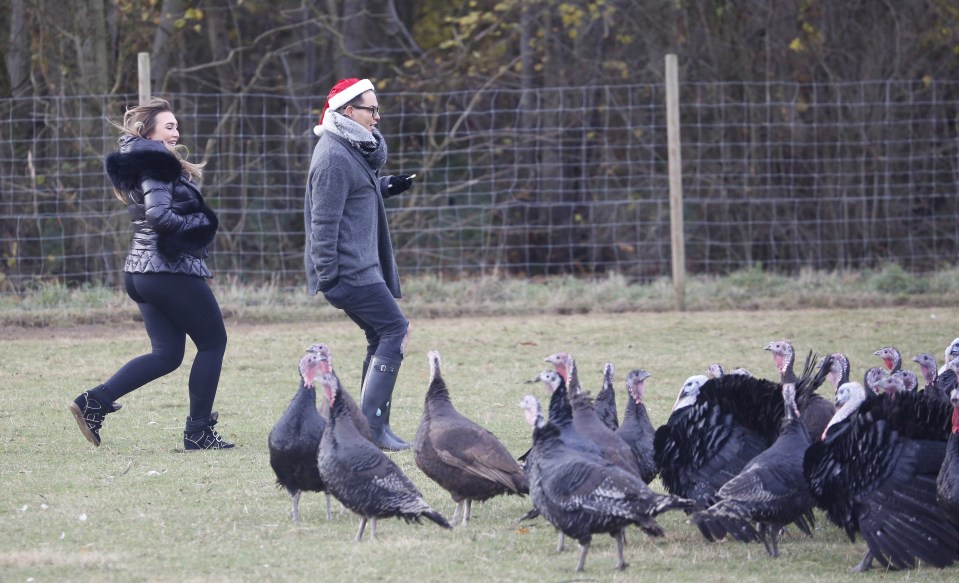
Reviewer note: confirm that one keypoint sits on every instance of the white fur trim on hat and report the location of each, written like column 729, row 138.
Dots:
column 347, row 95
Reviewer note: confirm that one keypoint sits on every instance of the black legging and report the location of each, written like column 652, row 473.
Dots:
column 173, row 306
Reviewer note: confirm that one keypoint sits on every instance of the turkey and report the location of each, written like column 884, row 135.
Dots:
column 816, row 410
column 837, row 370
column 909, row 379
column 874, row 479
column 561, row 417
column 940, row 386
column 585, row 421
column 605, row 401
column 947, row 483
column 360, row 476
column 947, row 375
column 359, row 419
column 770, row 492
column 295, row 439
column 561, row 414
column 637, row 430
column 891, row 357
column 871, row 377
column 582, row 495
column 928, row 368
column 716, row 427
column 951, row 352
column 465, row 459
column 715, row 370
column 915, row 415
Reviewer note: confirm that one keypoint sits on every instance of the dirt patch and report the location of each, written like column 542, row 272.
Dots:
column 78, row 331
column 40, row 558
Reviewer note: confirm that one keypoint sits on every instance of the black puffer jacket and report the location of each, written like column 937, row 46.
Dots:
column 171, row 224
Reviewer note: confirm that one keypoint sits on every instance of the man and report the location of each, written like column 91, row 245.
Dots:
column 349, row 256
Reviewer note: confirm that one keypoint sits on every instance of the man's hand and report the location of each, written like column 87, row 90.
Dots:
column 400, row 183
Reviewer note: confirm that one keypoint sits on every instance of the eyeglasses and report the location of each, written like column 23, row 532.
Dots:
column 374, row 109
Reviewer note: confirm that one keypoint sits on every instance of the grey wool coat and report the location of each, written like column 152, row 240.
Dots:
column 347, row 234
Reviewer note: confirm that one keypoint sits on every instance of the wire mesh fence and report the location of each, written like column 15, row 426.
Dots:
column 551, row 181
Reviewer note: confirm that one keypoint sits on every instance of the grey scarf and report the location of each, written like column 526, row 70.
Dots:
column 371, row 145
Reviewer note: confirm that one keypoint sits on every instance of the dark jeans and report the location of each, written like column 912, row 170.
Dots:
column 174, row 306
column 375, row 311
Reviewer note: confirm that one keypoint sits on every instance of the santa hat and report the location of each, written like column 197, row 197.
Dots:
column 342, row 93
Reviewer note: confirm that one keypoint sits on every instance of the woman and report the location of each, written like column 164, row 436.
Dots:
column 164, row 273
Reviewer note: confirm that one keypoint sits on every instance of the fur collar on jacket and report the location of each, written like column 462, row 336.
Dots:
column 139, row 158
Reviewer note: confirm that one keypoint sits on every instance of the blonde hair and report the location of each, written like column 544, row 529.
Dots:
column 140, row 122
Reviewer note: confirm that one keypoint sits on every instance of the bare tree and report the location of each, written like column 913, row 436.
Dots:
column 162, row 46
column 17, row 54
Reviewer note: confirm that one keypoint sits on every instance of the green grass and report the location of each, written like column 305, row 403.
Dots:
column 51, row 303
column 139, row 509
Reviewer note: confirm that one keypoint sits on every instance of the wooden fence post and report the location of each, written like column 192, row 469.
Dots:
column 143, row 76
column 677, row 234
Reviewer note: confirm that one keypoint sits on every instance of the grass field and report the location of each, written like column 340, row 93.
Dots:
column 139, row 509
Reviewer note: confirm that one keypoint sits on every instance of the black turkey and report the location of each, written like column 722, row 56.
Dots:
column 582, row 495
column 605, row 401
column 915, row 415
column 940, row 386
column 465, row 459
column 715, row 370
column 947, row 376
column 561, row 411
column 715, row 428
column 360, row 476
column 871, row 377
column 928, row 368
column 816, row 410
column 874, row 479
column 587, row 424
column 909, row 379
column 891, row 357
column 561, row 417
column 837, row 371
column 947, row 483
column 637, row 430
column 769, row 493
column 561, row 414
column 295, row 439
column 359, row 419
column 951, row 352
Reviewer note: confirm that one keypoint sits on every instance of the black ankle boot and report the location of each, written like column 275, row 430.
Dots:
column 377, row 397
column 89, row 413
column 200, row 434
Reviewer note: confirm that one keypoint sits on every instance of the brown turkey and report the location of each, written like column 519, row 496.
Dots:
column 465, row 459
column 360, row 476
column 295, row 439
